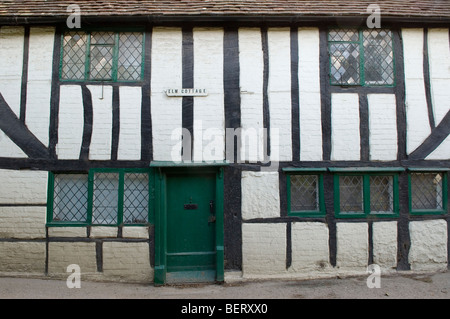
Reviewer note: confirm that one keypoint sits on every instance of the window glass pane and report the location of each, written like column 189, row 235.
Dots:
column 426, row 191
column 381, row 194
column 347, row 35
column 344, row 63
column 130, row 56
column 304, row 192
column 102, row 38
column 101, row 62
column 135, row 208
column 351, row 194
column 70, row 198
column 378, row 57
column 105, row 198
column 74, row 56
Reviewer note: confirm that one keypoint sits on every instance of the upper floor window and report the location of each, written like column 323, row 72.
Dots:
column 102, row 56
column 361, row 57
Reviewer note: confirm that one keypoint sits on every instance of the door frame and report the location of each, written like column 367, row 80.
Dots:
column 161, row 170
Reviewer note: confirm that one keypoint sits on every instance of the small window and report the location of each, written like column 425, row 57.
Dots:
column 361, row 57
column 366, row 194
column 102, row 56
column 102, row 197
column 428, row 192
column 305, row 194
column 68, row 198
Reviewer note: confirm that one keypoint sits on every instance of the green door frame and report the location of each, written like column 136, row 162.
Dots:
column 161, row 170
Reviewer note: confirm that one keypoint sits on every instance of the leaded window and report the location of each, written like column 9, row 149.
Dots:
column 102, row 56
column 428, row 192
column 110, row 197
column 70, row 198
column 305, row 193
column 361, row 57
column 367, row 193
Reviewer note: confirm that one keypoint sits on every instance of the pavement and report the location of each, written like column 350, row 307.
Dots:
column 396, row 286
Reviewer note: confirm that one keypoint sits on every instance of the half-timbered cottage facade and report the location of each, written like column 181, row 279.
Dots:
column 167, row 141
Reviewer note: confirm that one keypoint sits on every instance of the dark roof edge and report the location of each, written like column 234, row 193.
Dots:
column 275, row 20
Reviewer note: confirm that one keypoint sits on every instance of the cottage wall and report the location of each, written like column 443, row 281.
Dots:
column 257, row 78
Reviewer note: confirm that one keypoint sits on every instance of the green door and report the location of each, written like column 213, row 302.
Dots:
column 191, row 228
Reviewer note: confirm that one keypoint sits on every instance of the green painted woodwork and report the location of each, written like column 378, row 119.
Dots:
column 188, row 230
column 366, row 182
column 443, row 185
column 190, row 237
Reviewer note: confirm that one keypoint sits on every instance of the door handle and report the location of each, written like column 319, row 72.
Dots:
column 212, row 218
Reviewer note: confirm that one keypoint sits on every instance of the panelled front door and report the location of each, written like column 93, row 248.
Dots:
column 191, row 228
column 189, row 243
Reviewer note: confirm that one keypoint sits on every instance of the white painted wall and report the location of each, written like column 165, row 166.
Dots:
column 209, row 133
column 382, row 127
column 101, row 139
column 130, row 123
column 23, row 187
column 11, row 64
column 71, row 123
column 345, row 136
column 385, row 244
column 428, row 250
column 263, row 249
column 352, row 246
column 310, row 248
column 260, row 195
column 439, row 62
column 279, row 92
column 310, row 100
column 418, row 126
column 251, row 81
column 442, row 152
column 166, row 112
column 40, row 66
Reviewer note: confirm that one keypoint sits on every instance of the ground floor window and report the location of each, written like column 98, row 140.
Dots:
column 101, row 197
column 427, row 192
column 305, row 192
column 366, row 193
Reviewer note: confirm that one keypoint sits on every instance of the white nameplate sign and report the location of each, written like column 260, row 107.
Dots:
column 186, row 92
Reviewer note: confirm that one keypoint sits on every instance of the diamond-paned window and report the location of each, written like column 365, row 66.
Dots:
column 136, row 198
column 428, row 192
column 305, row 194
column 378, row 57
column 105, row 198
column 381, row 194
column 74, row 56
column 111, row 197
column 102, row 56
column 130, row 56
column 364, row 194
column 70, row 198
column 361, row 57
column 351, row 194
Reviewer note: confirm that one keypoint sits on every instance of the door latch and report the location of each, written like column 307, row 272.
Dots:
column 212, row 218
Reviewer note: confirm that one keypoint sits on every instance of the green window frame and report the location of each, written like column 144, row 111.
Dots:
column 428, row 191
column 361, row 57
column 305, row 192
column 109, row 197
column 361, row 193
column 103, row 55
